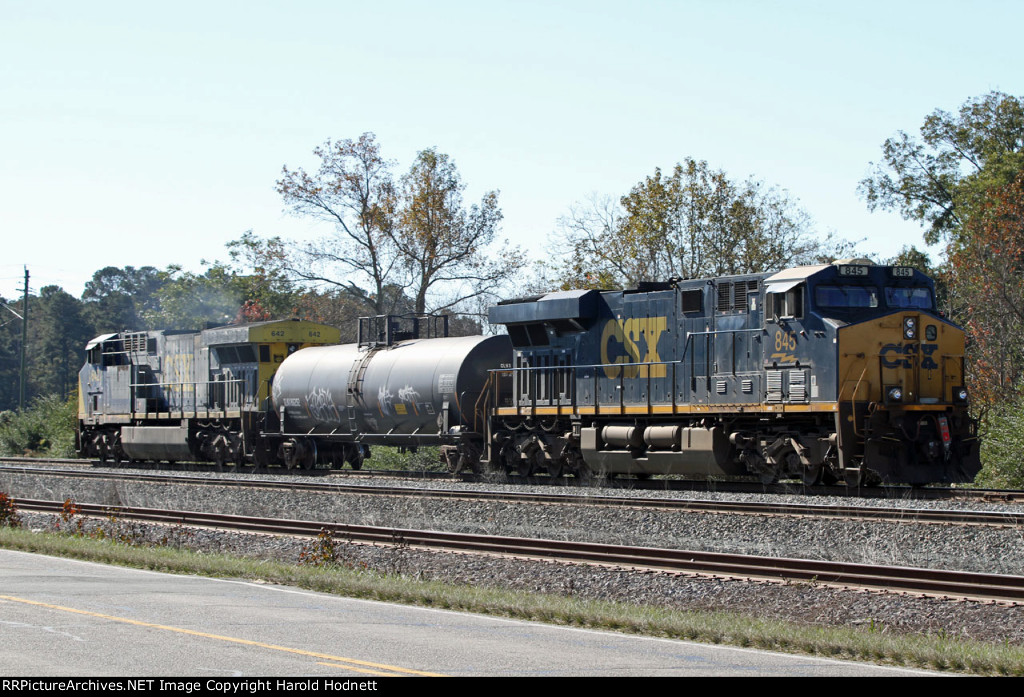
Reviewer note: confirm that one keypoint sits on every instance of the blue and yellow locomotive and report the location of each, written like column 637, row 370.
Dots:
column 837, row 371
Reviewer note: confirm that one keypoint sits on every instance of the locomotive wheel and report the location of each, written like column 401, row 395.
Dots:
column 811, row 475
column 260, row 456
column 307, row 460
column 555, row 468
column 524, row 467
column 509, row 459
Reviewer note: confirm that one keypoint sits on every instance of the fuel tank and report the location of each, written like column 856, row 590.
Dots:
column 411, row 387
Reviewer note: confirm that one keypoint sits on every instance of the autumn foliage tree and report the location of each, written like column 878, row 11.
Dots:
column 415, row 233
column 441, row 243
column 986, row 268
column 353, row 190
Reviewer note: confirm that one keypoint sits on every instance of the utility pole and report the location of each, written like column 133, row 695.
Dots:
column 24, row 341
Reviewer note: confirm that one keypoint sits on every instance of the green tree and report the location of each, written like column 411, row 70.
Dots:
column 118, row 298
column 259, row 271
column 46, row 427
column 1001, row 445
column 695, row 222
column 58, row 334
column 10, row 348
column 939, row 179
column 187, row 300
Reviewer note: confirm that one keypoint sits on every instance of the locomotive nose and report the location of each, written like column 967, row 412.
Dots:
column 919, row 362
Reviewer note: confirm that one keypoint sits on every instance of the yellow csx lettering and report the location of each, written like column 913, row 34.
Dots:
column 619, row 344
column 178, row 367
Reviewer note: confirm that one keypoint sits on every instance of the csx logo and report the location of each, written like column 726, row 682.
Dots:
column 178, row 367
column 621, row 342
column 900, row 356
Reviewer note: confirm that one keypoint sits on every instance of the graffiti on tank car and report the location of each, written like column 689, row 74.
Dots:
column 902, row 355
column 633, row 340
column 408, row 394
column 385, row 400
column 320, row 405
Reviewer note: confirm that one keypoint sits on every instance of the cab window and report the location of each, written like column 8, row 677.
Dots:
column 788, row 303
column 919, row 298
column 845, row 296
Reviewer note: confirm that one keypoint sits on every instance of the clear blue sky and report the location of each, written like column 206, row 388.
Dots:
column 139, row 133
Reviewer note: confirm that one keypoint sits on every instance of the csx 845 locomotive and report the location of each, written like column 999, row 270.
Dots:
column 842, row 371
column 838, row 371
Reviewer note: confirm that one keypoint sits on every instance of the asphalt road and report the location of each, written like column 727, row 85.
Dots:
column 60, row 617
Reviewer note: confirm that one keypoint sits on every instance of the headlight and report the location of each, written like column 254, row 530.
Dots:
column 909, row 328
column 960, row 395
column 893, row 394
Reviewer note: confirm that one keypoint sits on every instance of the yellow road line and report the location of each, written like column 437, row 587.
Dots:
column 233, row 640
column 362, row 670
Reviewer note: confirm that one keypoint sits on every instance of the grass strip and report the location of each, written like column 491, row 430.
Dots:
column 935, row 652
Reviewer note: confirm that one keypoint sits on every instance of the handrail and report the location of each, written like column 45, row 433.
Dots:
column 642, row 369
column 237, row 394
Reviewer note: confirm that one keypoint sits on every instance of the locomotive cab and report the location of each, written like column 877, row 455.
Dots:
column 888, row 362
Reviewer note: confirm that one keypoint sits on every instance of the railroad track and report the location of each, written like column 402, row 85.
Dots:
column 590, row 499
column 932, row 582
column 887, row 492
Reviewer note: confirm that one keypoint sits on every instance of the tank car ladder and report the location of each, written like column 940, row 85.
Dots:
column 356, row 376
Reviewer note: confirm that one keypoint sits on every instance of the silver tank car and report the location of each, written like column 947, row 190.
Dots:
column 396, row 394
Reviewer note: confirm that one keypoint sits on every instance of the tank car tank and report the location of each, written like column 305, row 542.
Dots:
column 334, row 401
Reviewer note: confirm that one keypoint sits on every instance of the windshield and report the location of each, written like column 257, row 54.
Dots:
column 919, row 298
column 846, row 296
